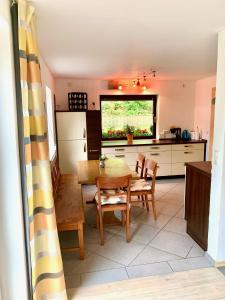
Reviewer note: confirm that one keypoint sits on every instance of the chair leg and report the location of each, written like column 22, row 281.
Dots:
column 146, row 202
column 101, row 228
column 81, row 240
column 97, row 220
column 123, row 218
column 153, row 208
column 128, row 225
column 142, row 200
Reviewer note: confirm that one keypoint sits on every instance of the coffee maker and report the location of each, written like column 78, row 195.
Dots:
column 177, row 132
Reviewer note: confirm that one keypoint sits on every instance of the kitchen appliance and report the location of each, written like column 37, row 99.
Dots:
column 186, row 136
column 176, row 131
column 72, row 139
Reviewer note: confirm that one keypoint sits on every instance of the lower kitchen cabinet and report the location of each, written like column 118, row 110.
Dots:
column 197, row 201
column 171, row 158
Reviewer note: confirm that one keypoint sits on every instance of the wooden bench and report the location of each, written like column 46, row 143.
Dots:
column 68, row 205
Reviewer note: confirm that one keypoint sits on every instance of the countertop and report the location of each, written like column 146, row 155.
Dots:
column 146, row 142
column 204, row 167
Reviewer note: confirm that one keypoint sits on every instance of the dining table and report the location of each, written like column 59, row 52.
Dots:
column 89, row 170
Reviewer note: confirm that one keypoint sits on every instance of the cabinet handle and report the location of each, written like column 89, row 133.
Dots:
column 85, row 147
column 93, row 150
column 84, row 133
column 119, row 155
column 154, row 154
column 187, row 152
column 154, row 148
column 119, row 149
column 187, row 146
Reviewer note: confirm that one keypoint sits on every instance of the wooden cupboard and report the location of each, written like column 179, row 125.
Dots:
column 197, row 201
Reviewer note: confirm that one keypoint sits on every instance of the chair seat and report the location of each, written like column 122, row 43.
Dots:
column 110, row 197
column 140, row 185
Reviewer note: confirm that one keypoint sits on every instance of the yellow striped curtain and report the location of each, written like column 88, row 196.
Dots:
column 46, row 262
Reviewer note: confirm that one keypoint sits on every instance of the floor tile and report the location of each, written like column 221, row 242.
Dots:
column 177, row 225
column 152, row 255
column 173, row 243
column 92, row 238
column 91, row 263
column 196, row 251
column 103, row 277
column 181, row 213
column 73, row 281
column 166, row 208
column 190, row 264
column 139, row 232
column 118, row 250
column 148, row 218
column 148, row 270
column 173, row 198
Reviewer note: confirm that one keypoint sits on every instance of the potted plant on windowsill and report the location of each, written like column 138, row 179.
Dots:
column 129, row 130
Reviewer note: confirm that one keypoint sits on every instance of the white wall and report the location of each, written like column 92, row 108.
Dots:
column 12, row 251
column 216, row 238
column 203, row 97
column 175, row 102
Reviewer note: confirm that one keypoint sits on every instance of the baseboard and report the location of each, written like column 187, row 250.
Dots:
column 170, row 177
column 216, row 264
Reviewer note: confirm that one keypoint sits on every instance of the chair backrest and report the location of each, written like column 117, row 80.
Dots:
column 121, row 185
column 150, row 170
column 140, row 162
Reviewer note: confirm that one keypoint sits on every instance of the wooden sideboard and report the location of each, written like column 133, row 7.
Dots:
column 197, row 201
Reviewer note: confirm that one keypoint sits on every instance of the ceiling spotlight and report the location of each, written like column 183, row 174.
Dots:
column 144, row 87
column 120, row 87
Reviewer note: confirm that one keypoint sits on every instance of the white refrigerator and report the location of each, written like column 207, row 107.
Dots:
column 72, row 140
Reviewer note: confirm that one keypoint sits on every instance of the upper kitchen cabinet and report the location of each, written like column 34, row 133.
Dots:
column 71, row 125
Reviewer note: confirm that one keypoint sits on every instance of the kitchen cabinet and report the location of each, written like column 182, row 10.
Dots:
column 197, row 201
column 93, row 120
column 170, row 156
column 71, row 139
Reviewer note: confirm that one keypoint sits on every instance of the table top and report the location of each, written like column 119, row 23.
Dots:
column 88, row 170
column 204, row 167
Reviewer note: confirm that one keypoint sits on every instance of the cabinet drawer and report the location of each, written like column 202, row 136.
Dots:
column 157, row 148
column 178, row 169
column 159, row 157
column 164, row 170
column 118, row 150
column 194, row 146
column 129, row 158
column 187, row 156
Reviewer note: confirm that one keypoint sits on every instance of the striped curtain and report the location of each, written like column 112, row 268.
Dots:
column 46, row 263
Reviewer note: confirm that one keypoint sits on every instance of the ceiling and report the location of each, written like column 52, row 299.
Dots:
column 112, row 39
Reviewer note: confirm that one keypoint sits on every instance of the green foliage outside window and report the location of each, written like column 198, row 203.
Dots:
column 116, row 115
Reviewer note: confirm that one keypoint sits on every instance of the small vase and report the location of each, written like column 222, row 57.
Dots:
column 129, row 137
column 102, row 164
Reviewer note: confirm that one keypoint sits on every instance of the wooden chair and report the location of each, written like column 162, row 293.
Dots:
column 139, row 167
column 113, row 193
column 143, row 188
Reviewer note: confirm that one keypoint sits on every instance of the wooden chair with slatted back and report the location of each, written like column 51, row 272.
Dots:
column 144, row 188
column 113, row 194
column 139, row 168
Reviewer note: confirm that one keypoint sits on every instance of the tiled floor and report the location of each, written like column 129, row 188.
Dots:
column 157, row 247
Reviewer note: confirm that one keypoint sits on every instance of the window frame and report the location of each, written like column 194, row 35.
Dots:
column 152, row 98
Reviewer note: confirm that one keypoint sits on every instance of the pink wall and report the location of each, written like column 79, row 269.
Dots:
column 176, row 99
column 203, row 96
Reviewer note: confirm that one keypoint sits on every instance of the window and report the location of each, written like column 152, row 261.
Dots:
column 137, row 111
column 50, row 122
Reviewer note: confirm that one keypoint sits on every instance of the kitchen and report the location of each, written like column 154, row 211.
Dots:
column 173, row 230
column 172, row 153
